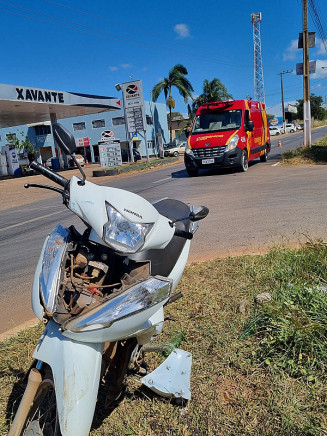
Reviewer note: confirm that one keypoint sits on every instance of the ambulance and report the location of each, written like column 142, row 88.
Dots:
column 227, row 134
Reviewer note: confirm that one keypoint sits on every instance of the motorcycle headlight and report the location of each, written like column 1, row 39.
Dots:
column 51, row 267
column 232, row 143
column 139, row 297
column 123, row 235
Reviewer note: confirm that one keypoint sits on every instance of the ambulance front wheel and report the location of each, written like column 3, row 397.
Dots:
column 244, row 161
column 264, row 157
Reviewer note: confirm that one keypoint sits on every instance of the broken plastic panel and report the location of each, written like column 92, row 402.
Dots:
column 172, row 377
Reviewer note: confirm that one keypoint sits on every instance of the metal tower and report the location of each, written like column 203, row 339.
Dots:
column 259, row 89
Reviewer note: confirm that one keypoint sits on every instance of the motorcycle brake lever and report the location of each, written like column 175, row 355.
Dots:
column 51, row 188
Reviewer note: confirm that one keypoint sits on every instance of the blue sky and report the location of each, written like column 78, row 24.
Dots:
column 89, row 46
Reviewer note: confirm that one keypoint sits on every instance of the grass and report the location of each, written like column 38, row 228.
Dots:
column 141, row 165
column 257, row 369
column 316, row 154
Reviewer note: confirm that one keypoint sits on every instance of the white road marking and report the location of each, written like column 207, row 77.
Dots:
column 26, row 208
column 275, row 165
column 29, row 221
column 158, row 181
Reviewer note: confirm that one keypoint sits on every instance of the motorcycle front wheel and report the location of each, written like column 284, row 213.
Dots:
column 42, row 418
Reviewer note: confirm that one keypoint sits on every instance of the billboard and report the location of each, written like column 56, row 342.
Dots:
column 134, row 106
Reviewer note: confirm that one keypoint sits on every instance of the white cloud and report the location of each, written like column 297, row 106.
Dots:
column 291, row 51
column 124, row 66
column 321, row 70
column 321, row 47
column 182, row 30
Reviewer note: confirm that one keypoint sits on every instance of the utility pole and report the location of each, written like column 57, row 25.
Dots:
column 281, row 86
column 306, row 78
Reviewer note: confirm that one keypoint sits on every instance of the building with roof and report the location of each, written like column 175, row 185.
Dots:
column 275, row 116
column 31, row 111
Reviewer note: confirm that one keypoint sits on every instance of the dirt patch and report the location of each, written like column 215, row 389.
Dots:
column 13, row 193
column 12, row 332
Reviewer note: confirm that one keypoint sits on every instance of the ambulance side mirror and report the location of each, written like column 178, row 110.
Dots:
column 250, row 126
column 187, row 133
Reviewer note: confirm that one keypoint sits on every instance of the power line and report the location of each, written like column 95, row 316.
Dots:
column 98, row 17
column 315, row 15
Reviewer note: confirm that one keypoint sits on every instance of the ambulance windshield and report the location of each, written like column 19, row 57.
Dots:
column 217, row 121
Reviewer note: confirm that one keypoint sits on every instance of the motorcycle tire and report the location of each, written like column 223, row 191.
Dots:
column 42, row 419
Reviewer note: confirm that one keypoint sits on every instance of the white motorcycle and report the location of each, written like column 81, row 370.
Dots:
column 101, row 296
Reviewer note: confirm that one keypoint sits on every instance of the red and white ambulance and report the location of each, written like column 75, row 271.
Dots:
column 227, row 134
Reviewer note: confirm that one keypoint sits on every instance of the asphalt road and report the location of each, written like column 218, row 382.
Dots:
column 249, row 212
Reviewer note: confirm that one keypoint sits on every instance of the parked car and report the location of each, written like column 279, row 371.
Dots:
column 299, row 127
column 80, row 159
column 289, row 128
column 175, row 150
column 274, row 131
column 125, row 155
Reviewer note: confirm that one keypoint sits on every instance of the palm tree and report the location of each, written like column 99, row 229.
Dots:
column 176, row 77
column 213, row 90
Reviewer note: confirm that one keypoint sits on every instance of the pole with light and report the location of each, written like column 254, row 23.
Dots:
column 282, row 90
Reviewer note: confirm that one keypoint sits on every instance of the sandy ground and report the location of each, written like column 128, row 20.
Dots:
column 20, row 196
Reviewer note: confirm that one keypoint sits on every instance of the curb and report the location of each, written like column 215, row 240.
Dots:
column 137, row 167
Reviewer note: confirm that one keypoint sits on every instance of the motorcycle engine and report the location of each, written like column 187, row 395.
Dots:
column 90, row 273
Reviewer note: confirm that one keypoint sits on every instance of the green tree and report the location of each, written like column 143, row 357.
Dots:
column 213, row 90
column 173, row 116
column 176, row 78
column 23, row 144
column 317, row 112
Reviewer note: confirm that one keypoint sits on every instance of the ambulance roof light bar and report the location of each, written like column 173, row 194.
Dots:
column 216, row 104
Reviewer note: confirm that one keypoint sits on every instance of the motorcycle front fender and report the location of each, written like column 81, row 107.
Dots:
column 76, row 371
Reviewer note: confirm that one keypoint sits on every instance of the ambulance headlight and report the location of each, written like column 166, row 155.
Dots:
column 188, row 150
column 123, row 235
column 232, row 143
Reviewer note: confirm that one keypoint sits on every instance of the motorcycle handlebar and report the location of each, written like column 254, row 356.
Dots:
column 57, row 178
column 183, row 234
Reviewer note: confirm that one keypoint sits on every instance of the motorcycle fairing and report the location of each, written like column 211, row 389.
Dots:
column 88, row 201
column 172, row 377
column 170, row 261
column 131, row 326
column 36, row 303
column 76, row 371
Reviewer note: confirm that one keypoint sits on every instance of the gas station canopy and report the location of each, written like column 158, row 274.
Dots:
column 21, row 105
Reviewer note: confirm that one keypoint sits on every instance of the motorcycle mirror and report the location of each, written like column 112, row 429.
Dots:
column 64, row 139
column 199, row 213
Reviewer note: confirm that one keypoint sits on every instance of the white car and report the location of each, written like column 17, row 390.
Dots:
column 175, row 150
column 289, row 128
column 274, row 131
column 80, row 159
